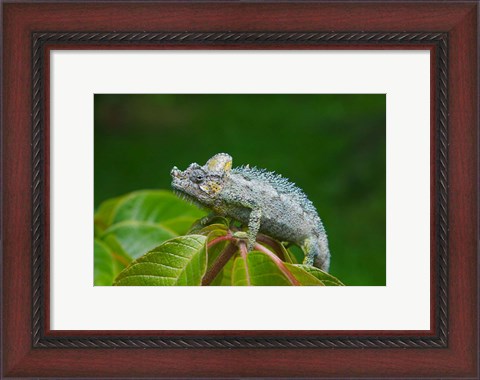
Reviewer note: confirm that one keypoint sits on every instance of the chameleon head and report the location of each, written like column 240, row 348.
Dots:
column 202, row 184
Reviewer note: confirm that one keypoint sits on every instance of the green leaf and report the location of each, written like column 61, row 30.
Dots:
column 179, row 261
column 326, row 278
column 103, row 216
column 154, row 206
column 289, row 256
column 239, row 273
column 180, row 225
column 215, row 250
column 213, row 227
column 261, row 271
column 296, row 253
column 105, row 268
column 136, row 238
column 304, row 277
column 199, row 227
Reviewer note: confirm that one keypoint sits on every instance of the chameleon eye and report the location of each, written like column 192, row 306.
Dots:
column 197, row 176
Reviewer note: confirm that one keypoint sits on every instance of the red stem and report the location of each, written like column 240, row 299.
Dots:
column 244, row 253
column 272, row 243
column 223, row 258
column 219, row 239
column 219, row 263
column 279, row 264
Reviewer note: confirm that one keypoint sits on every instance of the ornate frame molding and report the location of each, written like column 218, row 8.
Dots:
column 40, row 39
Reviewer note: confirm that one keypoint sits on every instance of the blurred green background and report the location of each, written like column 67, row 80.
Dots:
column 332, row 146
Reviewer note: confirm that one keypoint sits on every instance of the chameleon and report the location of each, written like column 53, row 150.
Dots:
column 262, row 200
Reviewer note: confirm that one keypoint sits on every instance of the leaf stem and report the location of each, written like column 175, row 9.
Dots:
column 244, row 252
column 219, row 263
column 272, row 243
column 219, row 240
column 280, row 264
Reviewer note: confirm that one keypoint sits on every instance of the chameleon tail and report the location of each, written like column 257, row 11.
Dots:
column 317, row 252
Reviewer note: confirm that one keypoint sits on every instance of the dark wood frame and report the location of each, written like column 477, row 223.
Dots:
column 448, row 30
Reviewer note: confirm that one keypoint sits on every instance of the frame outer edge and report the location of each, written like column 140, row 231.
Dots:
column 39, row 39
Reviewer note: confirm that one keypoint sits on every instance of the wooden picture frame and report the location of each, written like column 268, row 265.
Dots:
column 448, row 30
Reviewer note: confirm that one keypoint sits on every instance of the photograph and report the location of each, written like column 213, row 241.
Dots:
column 239, row 190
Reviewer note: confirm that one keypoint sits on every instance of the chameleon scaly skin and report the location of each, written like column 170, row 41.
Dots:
column 264, row 201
